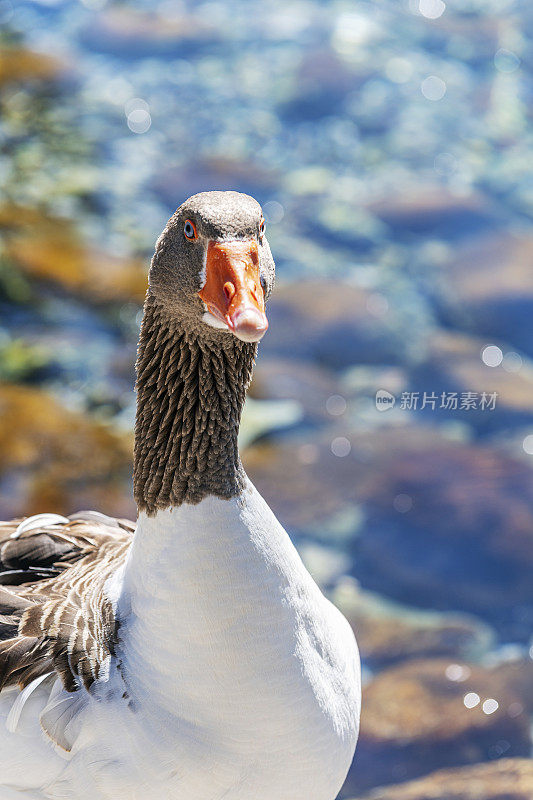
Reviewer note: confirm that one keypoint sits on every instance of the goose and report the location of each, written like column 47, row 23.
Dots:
column 189, row 656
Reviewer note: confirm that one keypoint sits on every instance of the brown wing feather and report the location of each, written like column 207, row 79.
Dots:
column 54, row 614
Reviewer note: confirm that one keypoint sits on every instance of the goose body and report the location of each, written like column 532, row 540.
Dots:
column 196, row 658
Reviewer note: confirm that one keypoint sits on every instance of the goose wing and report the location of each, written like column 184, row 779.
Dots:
column 54, row 613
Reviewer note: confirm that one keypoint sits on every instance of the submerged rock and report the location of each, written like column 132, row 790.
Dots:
column 52, row 458
column 425, row 715
column 335, row 325
column 517, row 674
column 454, row 364
column 316, row 389
column 436, row 521
column 50, row 249
column 177, row 182
column 489, row 288
column 433, row 210
column 135, row 33
column 507, row 779
column 450, row 525
column 19, row 65
column 389, row 632
column 321, row 83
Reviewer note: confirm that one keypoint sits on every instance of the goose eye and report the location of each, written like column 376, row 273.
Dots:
column 189, row 230
column 262, row 227
column 263, row 282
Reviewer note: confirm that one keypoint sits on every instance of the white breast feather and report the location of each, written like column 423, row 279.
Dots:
column 234, row 677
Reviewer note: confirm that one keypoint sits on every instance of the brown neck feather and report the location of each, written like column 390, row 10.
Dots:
column 191, row 385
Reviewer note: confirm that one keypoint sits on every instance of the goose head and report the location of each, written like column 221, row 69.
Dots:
column 213, row 268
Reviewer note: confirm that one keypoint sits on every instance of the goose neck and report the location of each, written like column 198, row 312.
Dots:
column 191, row 386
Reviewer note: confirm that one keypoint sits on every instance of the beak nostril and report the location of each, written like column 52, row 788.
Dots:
column 229, row 290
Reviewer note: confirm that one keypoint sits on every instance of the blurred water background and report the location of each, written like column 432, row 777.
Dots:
column 391, row 419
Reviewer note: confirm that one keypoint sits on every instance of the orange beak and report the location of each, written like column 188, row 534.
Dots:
column 232, row 290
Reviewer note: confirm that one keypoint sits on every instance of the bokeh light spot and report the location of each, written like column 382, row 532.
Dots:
column 491, row 355
column 527, row 445
column 512, row 362
column 135, row 104
column 433, row 88
column 402, row 503
column 139, row 121
column 340, row 446
column 273, row 212
column 471, row 700
column 515, row 710
column 432, row 9
column 457, row 672
column 490, row 706
column 506, row 60
column 336, row 405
